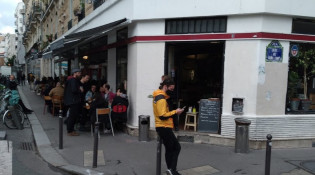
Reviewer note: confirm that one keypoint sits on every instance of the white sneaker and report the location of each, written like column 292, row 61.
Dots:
column 169, row 172
column 107, row 131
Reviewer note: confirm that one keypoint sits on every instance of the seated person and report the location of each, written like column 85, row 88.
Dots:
column 119, row 108
column 56, row 91
column 99, row 102
column 90, row 94
column 12, row 85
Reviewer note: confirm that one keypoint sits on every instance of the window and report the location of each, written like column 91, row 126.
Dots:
column 196, row 25
column 121, row 66
column 301, row 87
column 303, row 26
column 122, row 34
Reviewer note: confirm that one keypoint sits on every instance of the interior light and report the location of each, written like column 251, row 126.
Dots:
column 85, row 57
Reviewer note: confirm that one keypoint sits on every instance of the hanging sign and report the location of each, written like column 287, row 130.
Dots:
column 274, row 52
column 294, row 50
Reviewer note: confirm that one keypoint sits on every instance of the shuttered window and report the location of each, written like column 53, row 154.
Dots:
column 196, row 25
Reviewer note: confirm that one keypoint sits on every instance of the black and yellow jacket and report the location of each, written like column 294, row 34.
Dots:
column 161, row 110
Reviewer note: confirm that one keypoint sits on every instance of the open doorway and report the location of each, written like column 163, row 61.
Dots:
column 197, row 68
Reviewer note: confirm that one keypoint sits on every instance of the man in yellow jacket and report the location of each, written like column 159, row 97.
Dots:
column 164, row 125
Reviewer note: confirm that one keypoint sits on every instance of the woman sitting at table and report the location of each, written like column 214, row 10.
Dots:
column 119, row 108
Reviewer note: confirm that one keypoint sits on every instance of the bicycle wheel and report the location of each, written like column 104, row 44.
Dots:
column 19, row 107
column 8, row 120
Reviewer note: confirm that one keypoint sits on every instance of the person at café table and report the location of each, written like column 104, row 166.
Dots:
column 56, row 91
column 90, row 94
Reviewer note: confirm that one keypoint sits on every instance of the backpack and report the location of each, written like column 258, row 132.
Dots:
column 15, row 97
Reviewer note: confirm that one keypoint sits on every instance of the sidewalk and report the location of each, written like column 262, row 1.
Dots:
column 125, row 155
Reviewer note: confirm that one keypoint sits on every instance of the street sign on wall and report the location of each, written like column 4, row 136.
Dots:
column 294, row 51
column 274, row 52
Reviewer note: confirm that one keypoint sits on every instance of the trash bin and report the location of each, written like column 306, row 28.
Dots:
column 144, row 128
column 242, row 135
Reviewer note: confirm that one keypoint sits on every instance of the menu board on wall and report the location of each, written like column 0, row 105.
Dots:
column 209, row 115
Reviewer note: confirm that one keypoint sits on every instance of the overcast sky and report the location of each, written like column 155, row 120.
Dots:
column 7, row 9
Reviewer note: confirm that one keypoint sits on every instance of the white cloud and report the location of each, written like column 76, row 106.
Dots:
column 7, row 9
column 7, row 29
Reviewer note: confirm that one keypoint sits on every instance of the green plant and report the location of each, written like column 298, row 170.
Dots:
column 293, row 81
column 49, row 37
column 304, row 64
column 44, row 45
column 10, row 61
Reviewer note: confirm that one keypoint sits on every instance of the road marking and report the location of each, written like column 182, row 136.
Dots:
column 5, row 157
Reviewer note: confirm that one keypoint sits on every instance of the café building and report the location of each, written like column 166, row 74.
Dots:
column 234, row 52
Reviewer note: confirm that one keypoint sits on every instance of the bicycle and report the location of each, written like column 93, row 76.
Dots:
column 7, row 118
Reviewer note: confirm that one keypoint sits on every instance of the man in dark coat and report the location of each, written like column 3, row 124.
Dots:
column 72, row 96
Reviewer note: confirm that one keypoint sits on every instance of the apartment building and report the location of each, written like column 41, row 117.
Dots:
column 2, row 49
column 19, row 31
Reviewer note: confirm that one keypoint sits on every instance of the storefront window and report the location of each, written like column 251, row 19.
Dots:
column 121, row 66
column 301, row 89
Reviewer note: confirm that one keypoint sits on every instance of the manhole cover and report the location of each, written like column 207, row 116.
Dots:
column 309, row 165
column 27, row 146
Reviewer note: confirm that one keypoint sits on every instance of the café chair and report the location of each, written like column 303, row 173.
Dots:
column 46, row 103
column 103, row 111
column 57, row 102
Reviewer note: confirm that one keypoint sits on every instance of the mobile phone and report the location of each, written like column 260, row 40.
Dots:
column 184, row 107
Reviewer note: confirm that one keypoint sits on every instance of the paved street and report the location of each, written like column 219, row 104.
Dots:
column 124, row 155
column 6, row 157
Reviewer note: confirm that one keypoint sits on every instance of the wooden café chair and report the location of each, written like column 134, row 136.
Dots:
column 103, row 111
column 57, row 102
column 46, row 103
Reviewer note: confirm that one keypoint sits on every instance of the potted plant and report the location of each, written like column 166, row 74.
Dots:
column 77, row 11
column 49, row 37
column 293, row 82
column 304, row 65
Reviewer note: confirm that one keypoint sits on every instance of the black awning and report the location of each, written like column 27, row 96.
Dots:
column 57, row 44
column 70, row 41
column 93, row 31
column 47, row 55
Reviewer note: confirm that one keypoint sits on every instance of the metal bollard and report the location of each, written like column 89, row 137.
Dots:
column 60, row 130
column 158, row 156
column 95, row 150
column 268, row 154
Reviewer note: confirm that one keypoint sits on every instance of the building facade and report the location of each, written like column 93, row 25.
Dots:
column 2, row 49
column 237, row 52
column 19, row 31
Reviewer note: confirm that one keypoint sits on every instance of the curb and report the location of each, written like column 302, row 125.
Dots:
column 46, row 151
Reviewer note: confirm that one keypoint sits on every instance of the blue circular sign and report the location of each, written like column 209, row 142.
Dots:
column 294, row 50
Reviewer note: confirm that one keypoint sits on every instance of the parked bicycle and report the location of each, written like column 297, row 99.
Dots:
column 10, row 112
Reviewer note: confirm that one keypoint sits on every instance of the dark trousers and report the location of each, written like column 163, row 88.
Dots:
column 84, row 116
column 175, row 120
column 172, row 146
column 73, row 116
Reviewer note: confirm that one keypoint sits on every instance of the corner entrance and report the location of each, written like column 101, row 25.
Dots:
column 197, row 68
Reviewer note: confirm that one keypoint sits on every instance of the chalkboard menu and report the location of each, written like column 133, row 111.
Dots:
column 209, row 115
